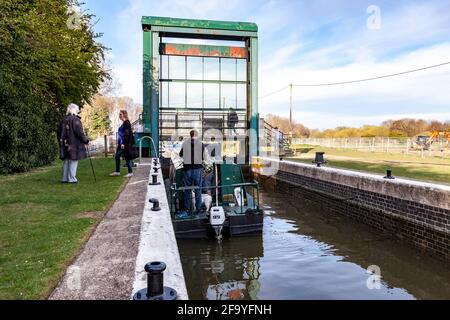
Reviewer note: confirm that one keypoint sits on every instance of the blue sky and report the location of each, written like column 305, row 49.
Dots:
column 309, row 41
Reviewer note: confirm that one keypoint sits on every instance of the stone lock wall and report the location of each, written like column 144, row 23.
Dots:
column 416, row 212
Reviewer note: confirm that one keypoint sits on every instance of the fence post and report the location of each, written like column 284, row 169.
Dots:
column 373, row 144
column 106, row 146
column 387, row 146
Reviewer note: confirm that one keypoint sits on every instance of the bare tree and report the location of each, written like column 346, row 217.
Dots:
column 283, row 124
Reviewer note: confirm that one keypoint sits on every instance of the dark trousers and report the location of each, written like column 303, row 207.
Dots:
column 179, row 177
column 193, row 177
column 208, row 179
column 119, row 153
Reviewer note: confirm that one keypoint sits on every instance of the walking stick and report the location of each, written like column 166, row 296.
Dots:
column 92, row 166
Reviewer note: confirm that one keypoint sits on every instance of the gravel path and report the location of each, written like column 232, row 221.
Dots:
column 105, row 267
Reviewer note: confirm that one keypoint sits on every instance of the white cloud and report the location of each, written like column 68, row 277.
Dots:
column 130, row 81
column 427, row 88
column 294, row 49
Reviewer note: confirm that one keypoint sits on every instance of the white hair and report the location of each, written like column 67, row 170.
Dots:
column 73, row 109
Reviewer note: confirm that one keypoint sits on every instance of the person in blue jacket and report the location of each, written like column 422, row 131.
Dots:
column 125, row 145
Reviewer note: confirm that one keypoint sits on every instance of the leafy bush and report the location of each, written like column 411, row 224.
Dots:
column 44, row 65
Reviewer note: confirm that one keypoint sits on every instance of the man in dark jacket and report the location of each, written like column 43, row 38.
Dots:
column 72, row 143
column 192, row 154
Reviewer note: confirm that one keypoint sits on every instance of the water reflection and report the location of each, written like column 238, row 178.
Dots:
column 222, row 271
column 306, row 252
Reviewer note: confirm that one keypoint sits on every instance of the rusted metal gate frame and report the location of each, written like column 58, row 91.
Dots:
column 156, row 27
column 175, row 49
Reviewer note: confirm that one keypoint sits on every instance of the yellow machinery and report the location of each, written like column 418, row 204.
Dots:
column 425, row 141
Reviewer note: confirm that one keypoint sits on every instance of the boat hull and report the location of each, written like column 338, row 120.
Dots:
column 235, row 225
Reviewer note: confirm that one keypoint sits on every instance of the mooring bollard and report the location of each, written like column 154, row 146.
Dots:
column 389, row 174
column 155, row 203
column 155, row 284
column 154, row 180
column 319, row 160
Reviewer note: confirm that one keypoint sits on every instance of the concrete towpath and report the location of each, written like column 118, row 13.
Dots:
column 105, row 267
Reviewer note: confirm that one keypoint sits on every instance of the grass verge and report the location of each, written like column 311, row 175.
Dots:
column 434, row 169
column 43, row 224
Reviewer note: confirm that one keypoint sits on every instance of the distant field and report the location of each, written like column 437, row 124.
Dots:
column 431, row 169
column 43, row 224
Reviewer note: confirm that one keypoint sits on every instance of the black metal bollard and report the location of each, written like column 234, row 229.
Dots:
column 389, row 174
column 155, row 278
column 156, row 169
column 155, row 203
column 155, row 284
column 319, row 160
column 154, row 180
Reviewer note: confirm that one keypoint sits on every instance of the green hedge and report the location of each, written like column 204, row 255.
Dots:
column 27, row 139
column 44, row 66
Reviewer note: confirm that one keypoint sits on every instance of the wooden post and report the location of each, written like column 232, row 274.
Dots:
column 106, row 146
column 290, row 108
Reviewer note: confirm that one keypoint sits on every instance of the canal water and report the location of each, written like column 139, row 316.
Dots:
column 305, row 253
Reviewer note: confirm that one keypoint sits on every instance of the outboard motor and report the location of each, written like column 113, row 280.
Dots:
column 217, row 219
column 217, row 214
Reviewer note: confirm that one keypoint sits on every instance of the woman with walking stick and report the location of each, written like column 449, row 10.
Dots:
column 72, row 143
